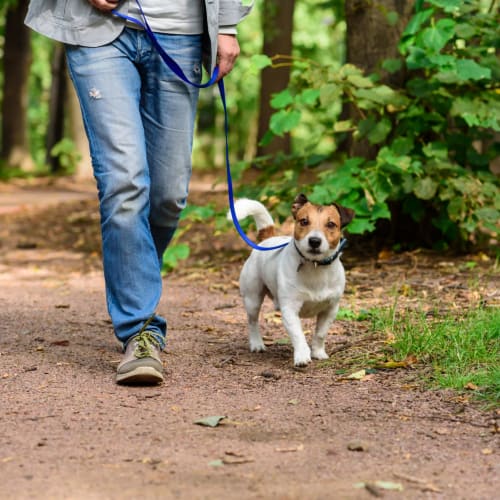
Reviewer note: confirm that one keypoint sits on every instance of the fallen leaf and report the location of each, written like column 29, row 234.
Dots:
column 487, row 451
column 442, row 431
column 284, row 341
column 471, row 387
column 389, row 485
column 212, row 421
column 374, row 486
column 391, row 365
column 357, row 445
column 61, row 343
column 235, row 454
column 290, row 449
column 235, row 460
column 425, row 485
column 216, row 463
column 293, row 402
column 359, row 375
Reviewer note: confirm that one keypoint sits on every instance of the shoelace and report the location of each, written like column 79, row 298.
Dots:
column 144, row 344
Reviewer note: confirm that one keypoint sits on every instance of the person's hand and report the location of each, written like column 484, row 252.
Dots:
column 228, row 51
column 105, row 5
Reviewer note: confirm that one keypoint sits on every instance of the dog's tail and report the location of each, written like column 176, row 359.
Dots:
column 263, row 220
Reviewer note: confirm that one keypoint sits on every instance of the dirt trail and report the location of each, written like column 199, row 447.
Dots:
column 68, row 432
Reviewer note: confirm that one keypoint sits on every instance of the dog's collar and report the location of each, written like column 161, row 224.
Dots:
column 323, row 262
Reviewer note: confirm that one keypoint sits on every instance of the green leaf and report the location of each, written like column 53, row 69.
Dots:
column 282, row 99
column 360, row 81
column 437, row 36
column 488, row 214
column 212, row 421
column 260, row 61
column 175, row 253
column 402, row 146
column 383, row 95
column 380, row 211
column 387, row 157
column 392, row 65
column 416, row 22
column 343, row 126
column 465, row 30
column 329, row 94
column 425, row 188
column 467, row 69
column 436, row 150
column 198, row 213
column 417, row 58
column 361, row 225
column 448, row 5
column 308, row 97
column 380, row 131
column 284, row 120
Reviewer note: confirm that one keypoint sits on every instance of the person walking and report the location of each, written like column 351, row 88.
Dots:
column 139, row 119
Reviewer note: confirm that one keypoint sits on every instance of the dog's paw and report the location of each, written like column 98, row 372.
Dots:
column 319, row 354
column 302, row 357
column 257, row 347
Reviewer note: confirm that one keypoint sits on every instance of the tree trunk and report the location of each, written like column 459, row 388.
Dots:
column 58, row 91
column 370, row 40
column 16, row 65
column 277, row 25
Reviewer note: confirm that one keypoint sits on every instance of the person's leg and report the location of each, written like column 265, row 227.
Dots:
column 168, row 114
column 108, row 83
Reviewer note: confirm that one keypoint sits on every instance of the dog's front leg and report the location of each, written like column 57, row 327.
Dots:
column 253, row 304
column 323, row 322
column 293, row 326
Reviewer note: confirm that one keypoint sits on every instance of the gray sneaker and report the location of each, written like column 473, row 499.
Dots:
column 141, row 364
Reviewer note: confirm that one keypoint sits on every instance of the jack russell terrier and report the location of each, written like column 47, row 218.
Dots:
column 304, row 279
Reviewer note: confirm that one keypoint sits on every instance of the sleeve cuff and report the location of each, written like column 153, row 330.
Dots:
column 227, row 30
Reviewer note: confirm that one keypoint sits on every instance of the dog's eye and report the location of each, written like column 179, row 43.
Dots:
column 331, row 225
column 304, row 222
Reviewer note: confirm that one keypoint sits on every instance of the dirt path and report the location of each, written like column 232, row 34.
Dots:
column 68, row 432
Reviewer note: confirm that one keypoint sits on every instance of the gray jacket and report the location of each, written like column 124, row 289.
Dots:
column 76, row 22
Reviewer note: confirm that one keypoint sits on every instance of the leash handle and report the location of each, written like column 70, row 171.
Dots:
column 177, row 70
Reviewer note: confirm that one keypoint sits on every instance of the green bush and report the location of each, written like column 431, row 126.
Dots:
column 433, row 139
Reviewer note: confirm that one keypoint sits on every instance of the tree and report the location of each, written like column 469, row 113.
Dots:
column 373, row 32
column 277, row 26
column 16, row 64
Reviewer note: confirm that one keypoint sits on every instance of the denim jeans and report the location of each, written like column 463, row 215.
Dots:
column 139, row 118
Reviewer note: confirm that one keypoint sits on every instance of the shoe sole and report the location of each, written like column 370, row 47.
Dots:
column 142, row 375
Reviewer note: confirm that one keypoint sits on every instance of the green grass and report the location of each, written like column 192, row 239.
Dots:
column 461, row 349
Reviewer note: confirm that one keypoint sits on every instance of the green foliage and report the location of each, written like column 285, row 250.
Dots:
column 324, row 45
column 177, row 251
column 67, row 154
column 39, row 91
column 433, row 139
column 462, row 350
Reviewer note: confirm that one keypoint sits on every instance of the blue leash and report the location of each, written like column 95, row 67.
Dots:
column 178, row 71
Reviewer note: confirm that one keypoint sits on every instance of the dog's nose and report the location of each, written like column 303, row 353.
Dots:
column 314, row 242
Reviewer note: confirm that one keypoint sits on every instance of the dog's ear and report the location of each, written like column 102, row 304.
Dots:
column 298, row 203
column 346, row 214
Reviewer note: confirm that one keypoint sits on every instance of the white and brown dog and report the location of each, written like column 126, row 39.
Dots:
column 304, row 279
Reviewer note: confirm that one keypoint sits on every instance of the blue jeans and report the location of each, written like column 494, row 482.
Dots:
column 139, row 118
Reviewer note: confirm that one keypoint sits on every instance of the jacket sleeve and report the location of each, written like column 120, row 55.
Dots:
column 231, row 12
